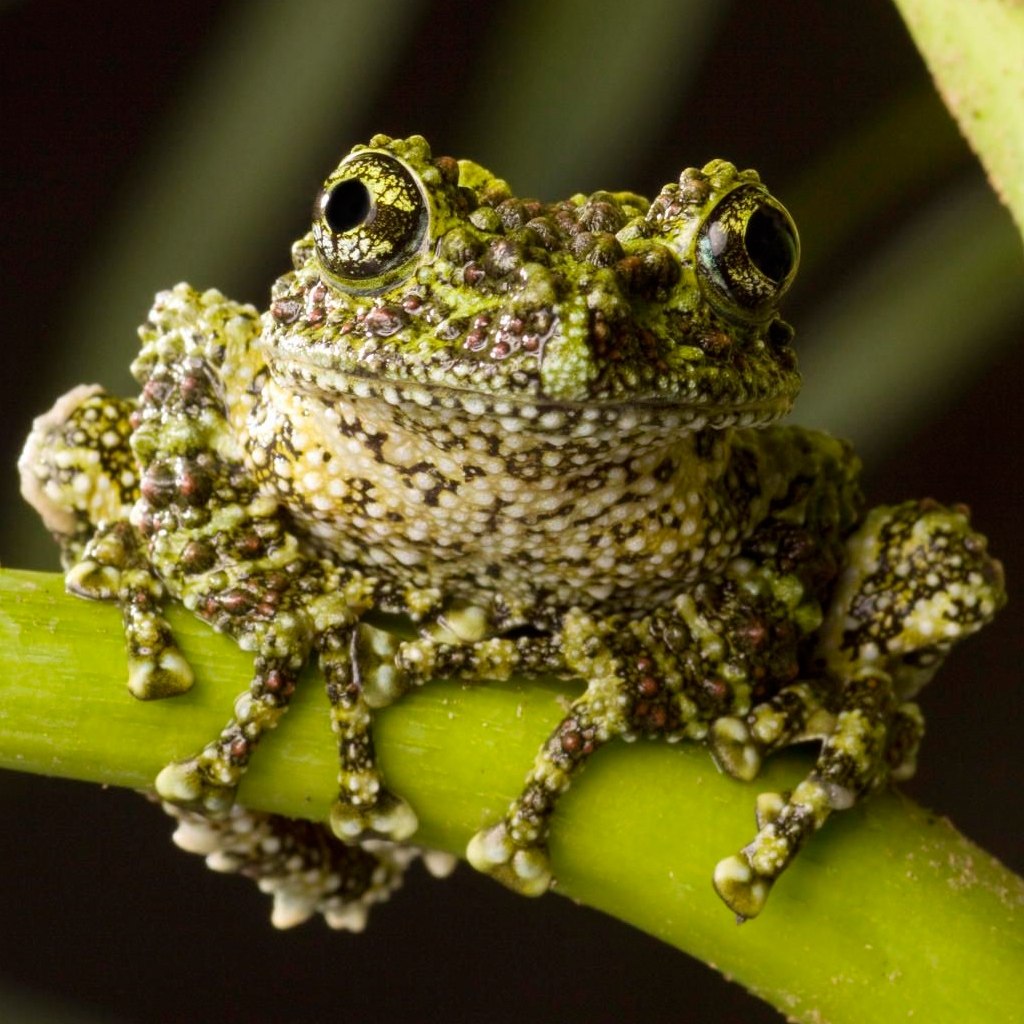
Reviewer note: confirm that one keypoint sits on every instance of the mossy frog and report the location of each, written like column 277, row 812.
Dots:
column 544, row 432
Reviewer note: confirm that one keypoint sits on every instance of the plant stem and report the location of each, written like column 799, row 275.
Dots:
column 888, row 913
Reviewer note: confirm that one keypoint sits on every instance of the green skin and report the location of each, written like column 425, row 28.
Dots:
column 542, row 432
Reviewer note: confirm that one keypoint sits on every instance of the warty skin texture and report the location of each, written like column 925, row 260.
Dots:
column 545, row 433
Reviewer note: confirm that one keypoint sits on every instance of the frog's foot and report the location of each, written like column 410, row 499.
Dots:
column 301, row 865
column 162, row 673
column 156, row 667
column 98, row 573
column 514, row 851
column 743, row 881
column 192, row 785
column 522, row 867
column 742, row 890
column 367, row 810
column 733, row 748
column 112, row 567
column 853, row 760
column 740, row 880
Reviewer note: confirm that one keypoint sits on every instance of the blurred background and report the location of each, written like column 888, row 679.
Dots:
column 148, row 143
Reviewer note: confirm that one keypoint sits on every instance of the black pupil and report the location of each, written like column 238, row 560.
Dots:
column 770, row 243
column 347, row 205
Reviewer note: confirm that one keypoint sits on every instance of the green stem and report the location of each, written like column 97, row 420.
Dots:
column 888, row 911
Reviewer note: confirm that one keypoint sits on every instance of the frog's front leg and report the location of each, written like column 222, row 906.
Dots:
column 917, row 580
column 365, row 808
column 514, row 850
column 78, row 471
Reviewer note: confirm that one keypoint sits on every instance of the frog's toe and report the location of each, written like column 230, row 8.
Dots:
column 91, row 579
column 185, row 784
column 768, row 807
column 742, row 890
column 388, row 817
column 165, row 674
column 525, row 870
column 382, row 681
column 439, row 863
column 297, row 900
column 734, row 749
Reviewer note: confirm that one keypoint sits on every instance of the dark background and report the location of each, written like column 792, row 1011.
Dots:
column 102, row 918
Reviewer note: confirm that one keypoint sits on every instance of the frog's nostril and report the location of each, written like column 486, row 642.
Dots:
column 770, row 243
column 347, row 205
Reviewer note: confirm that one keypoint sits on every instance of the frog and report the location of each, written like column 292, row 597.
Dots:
column 546, row 436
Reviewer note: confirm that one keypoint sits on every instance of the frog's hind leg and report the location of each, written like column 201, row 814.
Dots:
column 300, row 864
column 917, row 580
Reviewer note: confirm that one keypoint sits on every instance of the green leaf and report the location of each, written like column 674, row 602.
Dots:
column 975, row 52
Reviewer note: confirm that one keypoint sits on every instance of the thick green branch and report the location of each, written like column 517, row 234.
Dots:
column 888, row 911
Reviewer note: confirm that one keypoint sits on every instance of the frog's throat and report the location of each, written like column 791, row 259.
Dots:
column 536, row 413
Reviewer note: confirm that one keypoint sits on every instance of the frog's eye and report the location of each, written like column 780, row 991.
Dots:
column 370, row 222
column 747, row 253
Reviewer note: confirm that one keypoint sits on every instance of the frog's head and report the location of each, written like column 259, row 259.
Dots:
column 425, row 279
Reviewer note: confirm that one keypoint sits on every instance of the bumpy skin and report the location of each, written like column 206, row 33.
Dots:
column 542, row 431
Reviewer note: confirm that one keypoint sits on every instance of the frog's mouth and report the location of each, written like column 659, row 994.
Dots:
column 713, row 399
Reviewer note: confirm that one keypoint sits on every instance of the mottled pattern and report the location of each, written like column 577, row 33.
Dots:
column 542, row 431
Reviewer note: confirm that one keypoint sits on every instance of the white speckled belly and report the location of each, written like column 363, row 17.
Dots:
column 547, row 508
